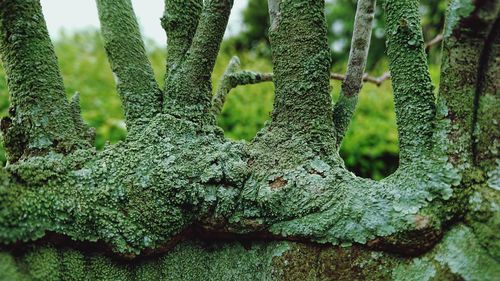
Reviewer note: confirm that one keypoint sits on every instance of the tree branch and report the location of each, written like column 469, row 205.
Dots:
column 434, row 41
column 413, row 96
column 232, row 78
column 189, row 89
column 39, row 116
column 179, row 21
column 360, row 44
column 236, row 77
column 140, row 94
column 301, row 62
column 468, row 88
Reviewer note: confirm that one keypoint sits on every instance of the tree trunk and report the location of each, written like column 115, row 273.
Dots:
column 178, row 201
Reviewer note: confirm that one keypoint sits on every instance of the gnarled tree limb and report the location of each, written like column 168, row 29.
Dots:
column 135, row 81
column 39, row 117
column 360, row 43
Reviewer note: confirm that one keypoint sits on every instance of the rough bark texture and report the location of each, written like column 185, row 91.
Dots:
column 283, row 206
column 134, row 75
column 39, row 116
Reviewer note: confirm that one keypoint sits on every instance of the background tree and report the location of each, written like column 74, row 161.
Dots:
column 152, row 206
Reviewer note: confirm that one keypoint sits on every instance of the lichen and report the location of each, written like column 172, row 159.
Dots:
column 176, row 177
column 457, row 9
column 461, row 252
column 417, row 270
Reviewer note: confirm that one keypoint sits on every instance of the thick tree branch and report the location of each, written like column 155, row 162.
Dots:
column 135, row 79
column 360, row 44
column 180, row 21
column 413, row 96
column 469, row 82
column 188, row 91
column 301, row 62
column 39, row 116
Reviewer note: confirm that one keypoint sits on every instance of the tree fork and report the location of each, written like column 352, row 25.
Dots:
column 39, row 116
column 180, row 21
column 189, row 89
column 135, row 81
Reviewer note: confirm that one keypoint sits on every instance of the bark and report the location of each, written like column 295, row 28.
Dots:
column 135, row 81
column 344, row 108
column 193, row 102
column 39, row 118
column 180, row 202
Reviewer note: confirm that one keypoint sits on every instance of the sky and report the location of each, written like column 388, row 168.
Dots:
column 74, row 15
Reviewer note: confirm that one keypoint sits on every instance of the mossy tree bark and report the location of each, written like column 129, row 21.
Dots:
column 178, row 201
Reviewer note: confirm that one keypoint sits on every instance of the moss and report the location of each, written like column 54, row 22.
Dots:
column 457, row 257
column 301, row 71
column 73, row 265
column 465, row 86
column 178, row 171
column 180, row 20
column 141, row 193
column 9, row 269
column 43, row 264
column 194, row 260
column 188, row 88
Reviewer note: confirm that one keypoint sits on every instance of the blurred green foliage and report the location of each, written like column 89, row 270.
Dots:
column 370, row 148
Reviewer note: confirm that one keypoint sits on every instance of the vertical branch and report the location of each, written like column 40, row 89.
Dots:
column 413, row 97
column 301, row 62
column 469, row 74
column 135, row 80
column 360, row 43
column 189, row 90
column 180, row 20
column 39, row 116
